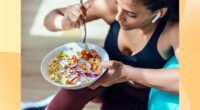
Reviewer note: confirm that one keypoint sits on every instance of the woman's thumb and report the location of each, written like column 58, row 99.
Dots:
column 106, row 64
column 87, row 6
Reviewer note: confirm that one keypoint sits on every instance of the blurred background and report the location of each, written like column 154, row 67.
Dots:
column 37, row 41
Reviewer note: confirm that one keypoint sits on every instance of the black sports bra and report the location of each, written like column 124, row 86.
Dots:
column 149, row 57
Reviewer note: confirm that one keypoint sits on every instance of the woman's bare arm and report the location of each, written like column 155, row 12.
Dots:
column 163, row 79
column 104, row 9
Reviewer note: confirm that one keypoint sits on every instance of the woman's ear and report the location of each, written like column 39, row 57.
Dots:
column 163, row 12
column 159, row 14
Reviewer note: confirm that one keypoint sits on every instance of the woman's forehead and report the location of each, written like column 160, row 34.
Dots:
column 130, row 2
column 131, row 5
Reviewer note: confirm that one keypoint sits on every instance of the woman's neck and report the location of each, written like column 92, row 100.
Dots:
column 149, row 28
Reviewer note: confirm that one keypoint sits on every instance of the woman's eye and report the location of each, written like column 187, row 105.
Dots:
column 131, row 14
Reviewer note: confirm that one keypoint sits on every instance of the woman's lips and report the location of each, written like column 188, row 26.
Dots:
column 122, row 25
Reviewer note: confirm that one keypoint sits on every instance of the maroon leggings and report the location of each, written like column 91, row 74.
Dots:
column 73, row 99
column 117, row 97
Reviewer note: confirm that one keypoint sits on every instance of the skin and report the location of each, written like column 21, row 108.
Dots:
column 136, row 29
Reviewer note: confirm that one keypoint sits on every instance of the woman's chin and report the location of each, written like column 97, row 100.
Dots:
column 125, row 27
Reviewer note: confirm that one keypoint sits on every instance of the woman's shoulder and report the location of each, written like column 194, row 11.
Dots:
column 172, row 29
column 172, row 32
column 108, row 9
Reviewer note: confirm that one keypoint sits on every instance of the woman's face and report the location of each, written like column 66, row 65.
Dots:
column 132, row 14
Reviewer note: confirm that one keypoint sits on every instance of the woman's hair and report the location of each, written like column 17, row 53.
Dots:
column 172, row 5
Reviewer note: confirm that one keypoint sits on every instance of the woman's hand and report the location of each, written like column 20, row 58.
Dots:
column 114, row 74
column 74, row 16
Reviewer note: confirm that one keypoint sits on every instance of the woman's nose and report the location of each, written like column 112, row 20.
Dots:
column 119, row 16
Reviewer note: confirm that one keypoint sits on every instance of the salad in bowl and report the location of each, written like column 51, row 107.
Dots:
column 72, row 67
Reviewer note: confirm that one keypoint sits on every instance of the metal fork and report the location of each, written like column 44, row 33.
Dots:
column 85, row 46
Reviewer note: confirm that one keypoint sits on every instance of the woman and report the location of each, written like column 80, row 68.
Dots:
column 144, row 35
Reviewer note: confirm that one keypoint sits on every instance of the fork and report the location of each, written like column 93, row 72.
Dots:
column 85, row 46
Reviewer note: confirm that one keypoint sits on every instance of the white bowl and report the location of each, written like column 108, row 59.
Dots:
column 76, row 47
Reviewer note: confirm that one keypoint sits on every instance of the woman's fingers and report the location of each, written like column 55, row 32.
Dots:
column 75, row 16
column 100, row 82
column 78, row 17
column 96, row 84
column 81, row 21
column 87, row 6
column 107, row 64
column 66, row 23
column 82, row 17
column 110, row 64
column 83, row 8
column 111, row 71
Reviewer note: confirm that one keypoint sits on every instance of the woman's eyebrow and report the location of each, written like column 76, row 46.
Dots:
column 129, row 11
